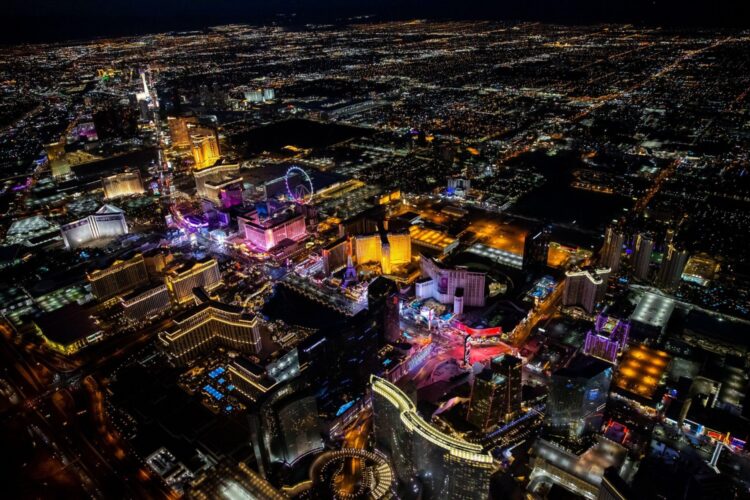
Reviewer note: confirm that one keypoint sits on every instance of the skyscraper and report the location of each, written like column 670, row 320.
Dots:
column 577, row 397
column 388, row 249
column 612, row 248
column 672, row 265
column 488, row 399
column 644, row 246
column 120, row 276
column 585, row 288
column 496, row 393
column 441, row 283
column 208, row 325
column 335, row 255
column 511, row 368
column 178, row 130
column 144, row 302
column 535, row 249
column 445, row 466
column 183, row 278
column 383, row 305
column 205, row 149
column 289, row 422
column 608, row 338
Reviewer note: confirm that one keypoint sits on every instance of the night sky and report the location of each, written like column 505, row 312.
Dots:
column 42, row 20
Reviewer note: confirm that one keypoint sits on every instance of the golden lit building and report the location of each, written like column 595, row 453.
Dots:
column 120, row 276
column 123, row 184
column 641, row 370
column 178, row 130
column 181, row 280
column 387, row 249
column 55, row 150
column 205, row 150
column 214, row 174
column 209, row 325
column 447, row 466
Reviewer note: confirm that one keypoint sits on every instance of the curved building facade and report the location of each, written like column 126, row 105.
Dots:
column 446, row 467
column 210, row 325
column 107, row 222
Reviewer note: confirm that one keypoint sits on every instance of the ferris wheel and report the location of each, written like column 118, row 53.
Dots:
column 301, row 192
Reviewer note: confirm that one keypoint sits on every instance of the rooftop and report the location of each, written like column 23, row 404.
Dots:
column 653, row 310
column 641, row 369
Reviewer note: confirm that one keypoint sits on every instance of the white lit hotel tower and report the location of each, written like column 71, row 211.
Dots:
column 585, row 288
column 107, row 222
column 445, row 467
column 443, row 284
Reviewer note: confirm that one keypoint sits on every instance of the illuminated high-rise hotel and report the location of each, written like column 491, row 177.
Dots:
column 214, row 174
column 387, row 249
column 585, row 288
column 445, row 466
column 145, row 302
column 672, row 265
column 441, row 284
column 264, row 235
column 608, row 338
column 181, row 280
column 289, row 422
column 120, row 276
column 208, row 325
column 612, row 248
column 205, row 150
column 536, row 248
column 178, row 130
column 578, row 395
column 496, row 393
column 123, row 184
column 644, row 247
column 335, row 255
column 108, row 221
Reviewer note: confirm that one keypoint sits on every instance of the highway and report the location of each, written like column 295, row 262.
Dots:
column 66, row 418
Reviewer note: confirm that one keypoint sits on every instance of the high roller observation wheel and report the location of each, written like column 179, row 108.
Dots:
column 302, row 193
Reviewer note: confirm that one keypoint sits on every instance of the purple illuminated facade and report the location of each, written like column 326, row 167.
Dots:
column 608, row 338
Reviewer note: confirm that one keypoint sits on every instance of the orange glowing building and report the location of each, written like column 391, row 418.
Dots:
column 641, row 370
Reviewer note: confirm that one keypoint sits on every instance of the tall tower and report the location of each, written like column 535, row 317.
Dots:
column 672, row 266
column 535, row 249
column 644, row 246
column 496, row 393
column 612, row 248
column 510, row 367
column 585, row 288
column 577, row 397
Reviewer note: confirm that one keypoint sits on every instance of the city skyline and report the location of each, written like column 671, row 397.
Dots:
column 407, row 257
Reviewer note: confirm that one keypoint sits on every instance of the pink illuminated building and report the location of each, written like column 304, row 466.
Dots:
column 266, row 234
